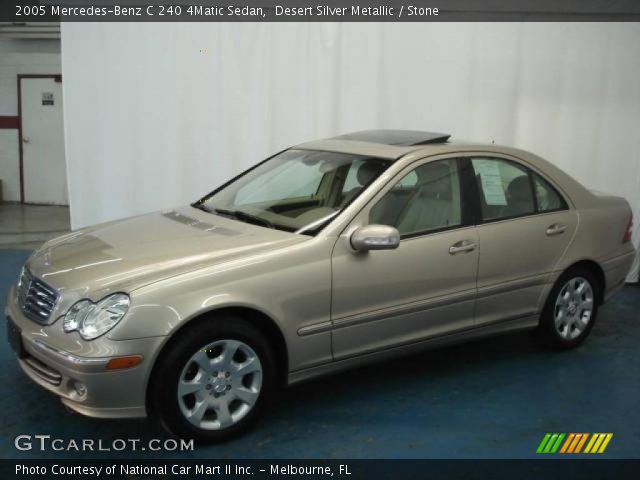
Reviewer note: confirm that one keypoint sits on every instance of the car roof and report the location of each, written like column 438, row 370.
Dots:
column 388, row 144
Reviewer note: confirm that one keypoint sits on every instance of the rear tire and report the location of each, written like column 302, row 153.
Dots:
column 571, row 309
column 214, row 380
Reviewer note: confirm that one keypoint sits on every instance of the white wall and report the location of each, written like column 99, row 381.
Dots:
column 159, row 114
column 19, row 57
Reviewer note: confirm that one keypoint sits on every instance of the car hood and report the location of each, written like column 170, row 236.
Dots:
column 130, row 253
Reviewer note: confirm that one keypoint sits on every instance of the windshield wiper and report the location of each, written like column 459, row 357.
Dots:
column 201, row 206
column 244, row 217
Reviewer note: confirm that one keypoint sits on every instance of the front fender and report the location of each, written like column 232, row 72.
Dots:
column 291, row 287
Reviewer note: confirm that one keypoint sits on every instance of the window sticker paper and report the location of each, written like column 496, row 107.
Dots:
column 491, row 180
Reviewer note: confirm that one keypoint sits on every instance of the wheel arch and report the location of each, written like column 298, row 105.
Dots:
column 263, row 322
column 595, row 268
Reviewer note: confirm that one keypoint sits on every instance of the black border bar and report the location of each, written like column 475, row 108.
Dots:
column 547, row 469
column 33, row 11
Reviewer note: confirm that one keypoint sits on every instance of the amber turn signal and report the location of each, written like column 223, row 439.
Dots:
column 124, row 362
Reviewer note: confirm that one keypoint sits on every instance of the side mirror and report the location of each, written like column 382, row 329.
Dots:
column 375, row 237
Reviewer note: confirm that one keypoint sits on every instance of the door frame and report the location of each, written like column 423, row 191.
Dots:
column 467, row 207
column 57, row 77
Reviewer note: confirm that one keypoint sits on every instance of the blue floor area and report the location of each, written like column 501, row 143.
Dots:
column 490, row 399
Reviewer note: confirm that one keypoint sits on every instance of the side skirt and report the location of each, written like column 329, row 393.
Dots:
column 507, row 326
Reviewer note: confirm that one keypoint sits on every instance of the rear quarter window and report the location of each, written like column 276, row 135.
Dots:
column 547, row 197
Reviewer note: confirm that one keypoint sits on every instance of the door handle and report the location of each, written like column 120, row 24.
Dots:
column 556, row 229
column 25, row 139
column 462, row 246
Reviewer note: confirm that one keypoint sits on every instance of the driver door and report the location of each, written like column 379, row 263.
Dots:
column 424, row 288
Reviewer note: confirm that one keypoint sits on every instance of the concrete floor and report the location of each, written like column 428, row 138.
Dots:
column 26, row 227
column 494, row 398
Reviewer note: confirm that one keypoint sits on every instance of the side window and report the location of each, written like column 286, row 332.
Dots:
column 361, row 173
column 504, row 187
column 548, row 199
column 424, row 200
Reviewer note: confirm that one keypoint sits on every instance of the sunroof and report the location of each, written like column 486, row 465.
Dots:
column 403, row 138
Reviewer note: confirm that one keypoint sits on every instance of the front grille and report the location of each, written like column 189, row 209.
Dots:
column 35, row 297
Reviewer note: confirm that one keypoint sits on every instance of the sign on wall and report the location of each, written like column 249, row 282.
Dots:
column 47, row 98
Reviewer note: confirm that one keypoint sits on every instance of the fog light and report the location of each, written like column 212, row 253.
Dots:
column 80, row 388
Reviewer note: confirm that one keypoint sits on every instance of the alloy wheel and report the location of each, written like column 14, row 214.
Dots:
column 220, row 384
column 573, row 308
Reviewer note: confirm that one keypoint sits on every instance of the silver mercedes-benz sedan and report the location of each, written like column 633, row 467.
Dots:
column 325, row 256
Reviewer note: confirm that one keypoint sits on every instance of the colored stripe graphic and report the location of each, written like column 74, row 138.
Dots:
column 577, row 437
column 544, row 441
column 605, row 443
column 568, row 442
column 591, row 442
column 597, row 443
column 581, row 443
column 571, row 445
column 556, row 445
column 550, row 443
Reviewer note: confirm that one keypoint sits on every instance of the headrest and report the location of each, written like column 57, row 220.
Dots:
column 434, row 179
column 519, row 189
column 369, row 171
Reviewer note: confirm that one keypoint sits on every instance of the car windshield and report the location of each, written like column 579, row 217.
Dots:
column 298, row 191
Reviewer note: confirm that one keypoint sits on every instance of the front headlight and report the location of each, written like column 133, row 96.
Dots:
column 94, row 319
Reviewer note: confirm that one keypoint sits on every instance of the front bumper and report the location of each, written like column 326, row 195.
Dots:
column 108, row 393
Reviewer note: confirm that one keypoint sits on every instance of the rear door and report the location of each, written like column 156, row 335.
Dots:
column 524, row 227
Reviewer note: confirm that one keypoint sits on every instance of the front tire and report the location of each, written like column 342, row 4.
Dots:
column 571, row 309
column 214, row 380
